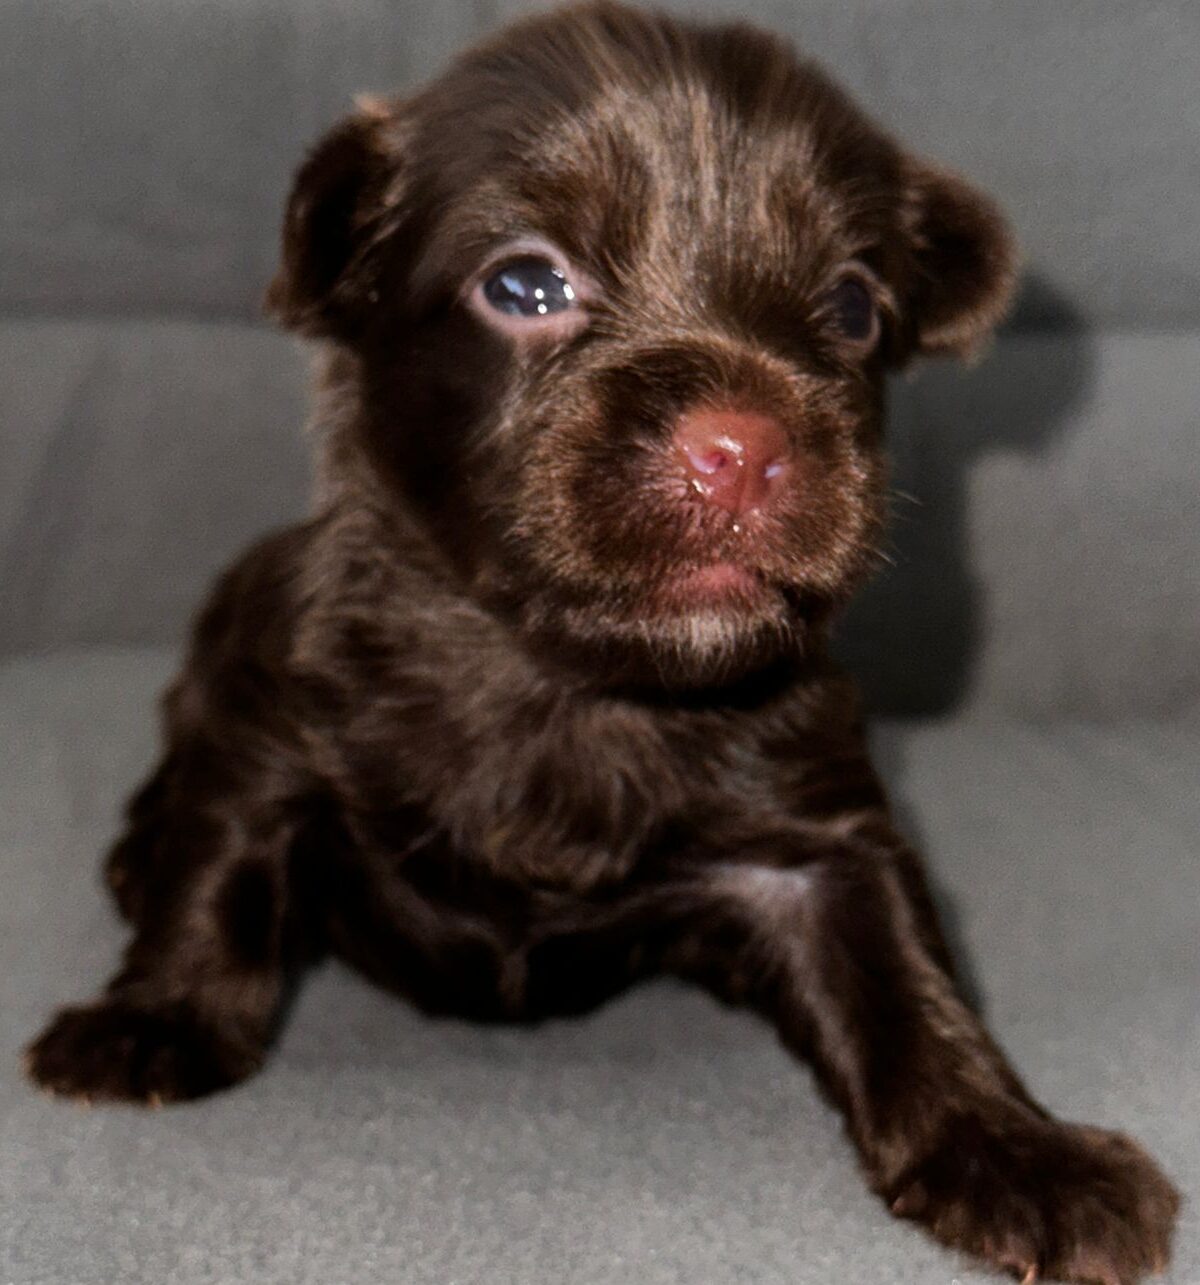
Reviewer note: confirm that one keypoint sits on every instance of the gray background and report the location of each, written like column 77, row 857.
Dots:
column 1033, row 657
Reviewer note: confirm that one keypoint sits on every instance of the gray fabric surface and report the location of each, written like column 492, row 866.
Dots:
column 139, row 457
column 146, row 144
column 663, row 1139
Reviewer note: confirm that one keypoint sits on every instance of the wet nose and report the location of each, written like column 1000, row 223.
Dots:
column 734, row 459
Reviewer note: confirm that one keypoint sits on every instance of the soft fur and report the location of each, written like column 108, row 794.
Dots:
column 482, row 727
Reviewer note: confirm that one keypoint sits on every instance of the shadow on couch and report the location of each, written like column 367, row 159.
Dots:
column 914, row 636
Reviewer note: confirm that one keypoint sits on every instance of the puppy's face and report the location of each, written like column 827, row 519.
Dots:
column 620, row 296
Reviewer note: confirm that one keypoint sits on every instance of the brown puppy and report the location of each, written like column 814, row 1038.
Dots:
column 538, row 702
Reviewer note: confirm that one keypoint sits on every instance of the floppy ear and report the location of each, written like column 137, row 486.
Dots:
column 325, row 283
column 963, row 262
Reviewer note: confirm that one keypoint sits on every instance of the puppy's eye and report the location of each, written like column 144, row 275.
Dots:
column 852, row 307
column 528, row 287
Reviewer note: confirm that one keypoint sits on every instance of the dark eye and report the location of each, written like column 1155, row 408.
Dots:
column 853, row 309
column 528, row 287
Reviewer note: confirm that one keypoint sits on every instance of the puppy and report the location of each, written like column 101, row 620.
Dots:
column 538, row 702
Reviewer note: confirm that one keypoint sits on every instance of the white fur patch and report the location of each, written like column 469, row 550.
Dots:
column 771, row 892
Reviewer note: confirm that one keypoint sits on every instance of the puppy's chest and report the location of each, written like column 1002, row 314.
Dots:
column 553, row 794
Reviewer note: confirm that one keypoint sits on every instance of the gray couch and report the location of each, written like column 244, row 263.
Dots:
column 1033, row 658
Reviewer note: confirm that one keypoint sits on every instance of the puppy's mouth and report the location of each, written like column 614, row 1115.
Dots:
column 715, row 586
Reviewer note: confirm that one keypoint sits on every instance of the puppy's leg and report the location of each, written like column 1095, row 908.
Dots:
column 843, row 954
column 204, row 873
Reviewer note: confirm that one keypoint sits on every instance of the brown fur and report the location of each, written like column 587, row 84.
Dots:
column 456, row 729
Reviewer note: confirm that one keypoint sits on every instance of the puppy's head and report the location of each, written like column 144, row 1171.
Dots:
column 618, row 296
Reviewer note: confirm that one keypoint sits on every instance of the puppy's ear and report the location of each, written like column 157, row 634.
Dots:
column 325, row 283
column 963, row 262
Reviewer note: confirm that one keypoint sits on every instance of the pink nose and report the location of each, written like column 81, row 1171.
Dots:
column 734, row 459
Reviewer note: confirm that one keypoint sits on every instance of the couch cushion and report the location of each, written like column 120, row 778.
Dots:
column 147, row 144
column 661, row 1140
column 139, row 457
column 1044, row 536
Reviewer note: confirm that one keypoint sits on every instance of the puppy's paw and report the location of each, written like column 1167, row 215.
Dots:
column 1045, row 1200
column 118, row 1051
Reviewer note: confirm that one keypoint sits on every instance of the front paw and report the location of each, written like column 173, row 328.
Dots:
column 1044, row 1200
column 115, row 1050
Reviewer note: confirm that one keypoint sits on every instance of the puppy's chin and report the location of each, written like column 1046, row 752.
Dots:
column 670, row 646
